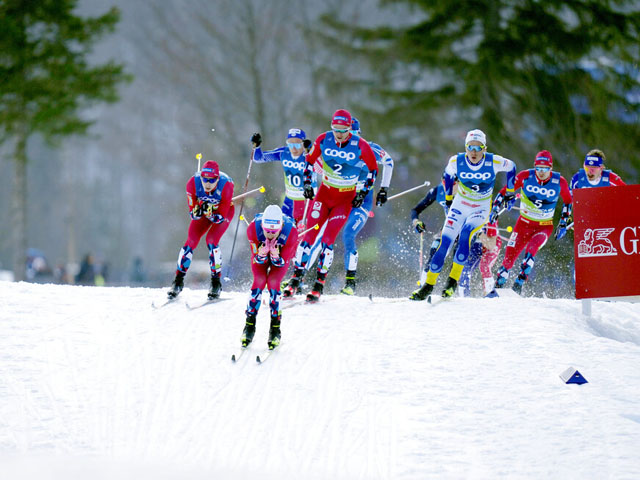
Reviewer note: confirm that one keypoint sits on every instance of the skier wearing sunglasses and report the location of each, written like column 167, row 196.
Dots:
column 209, row 194
column 541, row 188
column 469, row 210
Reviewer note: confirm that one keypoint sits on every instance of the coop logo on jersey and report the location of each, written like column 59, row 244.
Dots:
column 596, row 243
column 474, row 176
column 332, row 152
column 547, row 192
column 292, row 164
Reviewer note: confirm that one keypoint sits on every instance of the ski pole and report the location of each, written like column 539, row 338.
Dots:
column 245, row 220
column 235, row 235
column 199, row 157
column 304, row 215
column 250, row 192
column 315, row 227
column 421, row 252
column 508, row 229
column 425, row 184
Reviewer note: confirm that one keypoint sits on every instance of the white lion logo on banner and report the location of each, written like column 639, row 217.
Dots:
column 596, row 243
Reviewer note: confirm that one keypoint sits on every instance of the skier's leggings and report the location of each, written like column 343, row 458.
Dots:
column 356, row 222
column 529, row 234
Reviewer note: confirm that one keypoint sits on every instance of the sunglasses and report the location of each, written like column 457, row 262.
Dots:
column 268, row 231
column 543, row 169
column 340, row 130
column 209, row 180
column 475, row 148
column 293, row 145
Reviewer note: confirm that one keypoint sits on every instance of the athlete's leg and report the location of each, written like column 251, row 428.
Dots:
column 517, row 241
column 537, row 241
column 259, row 272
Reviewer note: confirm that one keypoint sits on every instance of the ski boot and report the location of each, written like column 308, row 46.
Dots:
column 293, row 285
column 176, row 286
column 249, row 331
column 215, row 288
column 350, row 284
column 450, row 288
column 274, row 333
column 422, row 293
column 517, row 285
column 314, row 295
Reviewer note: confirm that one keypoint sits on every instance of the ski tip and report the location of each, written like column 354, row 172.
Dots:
column 258, row 359
column 429, row 299
column 233, row 358
column 371, row 297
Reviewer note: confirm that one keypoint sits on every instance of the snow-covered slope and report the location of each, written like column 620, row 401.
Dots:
column 94, row 383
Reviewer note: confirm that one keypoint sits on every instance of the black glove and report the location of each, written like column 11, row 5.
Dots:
column 196, row 212
column 359, row 198
column 418, row 225
column 207, row 209
column 493, row 216
column 561, row 231
column 509, row 200
column 216, row 218
column 308, row 191
column 381, row 198
column 307, row 144
column 256, row 140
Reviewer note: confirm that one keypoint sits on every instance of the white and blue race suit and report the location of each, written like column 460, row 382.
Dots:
column 293, row 168
column 470, row 208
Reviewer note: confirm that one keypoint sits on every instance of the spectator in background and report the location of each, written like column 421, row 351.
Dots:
column 87, row 274
column 137, row 271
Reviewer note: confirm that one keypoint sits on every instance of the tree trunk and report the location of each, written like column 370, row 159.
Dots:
column 19, row 208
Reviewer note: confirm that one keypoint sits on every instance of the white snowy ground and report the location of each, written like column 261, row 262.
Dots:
column 95, row 384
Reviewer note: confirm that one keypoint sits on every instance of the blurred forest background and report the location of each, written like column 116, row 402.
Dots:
column 180, row 77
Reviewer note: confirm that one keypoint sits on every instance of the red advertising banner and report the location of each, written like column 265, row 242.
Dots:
column 607, row 241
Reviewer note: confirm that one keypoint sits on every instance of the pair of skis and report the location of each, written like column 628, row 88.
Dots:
column 259, row 359
column 431, row 300
column 189, row 307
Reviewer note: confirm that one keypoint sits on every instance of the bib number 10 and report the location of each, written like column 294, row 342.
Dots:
column 294, row 180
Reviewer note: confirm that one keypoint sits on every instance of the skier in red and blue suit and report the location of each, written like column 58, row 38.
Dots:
column 209, row 197
column 541, row 188
column 343, row 156
column 273, row 239
column 593, row 173
column 293, row 160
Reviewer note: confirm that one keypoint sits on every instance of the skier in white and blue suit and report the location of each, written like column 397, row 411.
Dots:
column 476, row 171
column 294, row 160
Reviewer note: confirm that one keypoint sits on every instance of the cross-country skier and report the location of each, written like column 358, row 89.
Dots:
column 359, row 216
column 475, row 252
column 541, row 188
column 343, row 155
column 593, row 173
column 273, row 239
column 293, row 160
column 476, row 172
column 209, row 194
